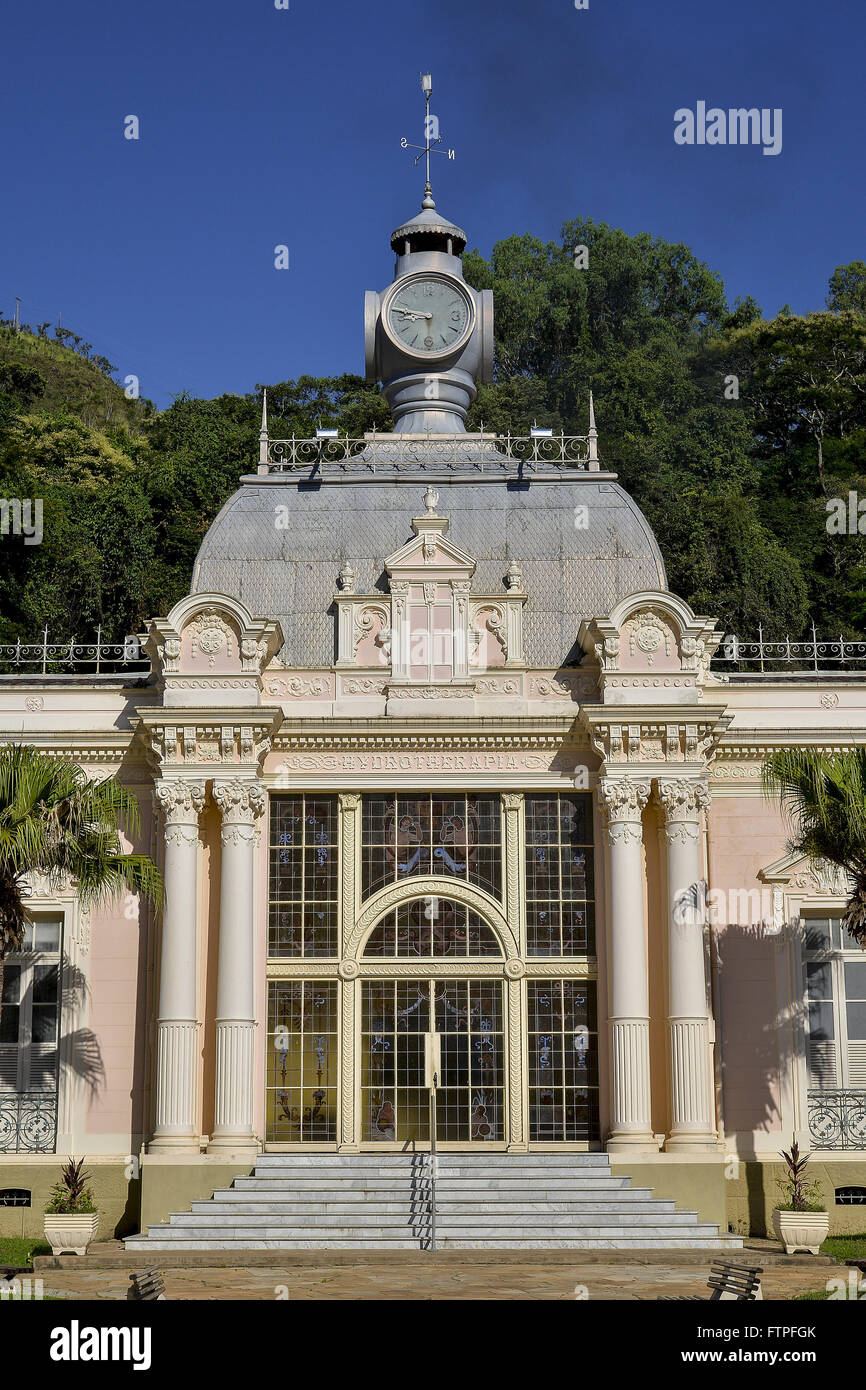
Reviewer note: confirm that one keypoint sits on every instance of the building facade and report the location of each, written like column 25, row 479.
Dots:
column 442, row 778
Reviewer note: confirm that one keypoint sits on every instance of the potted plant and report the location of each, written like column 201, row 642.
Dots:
column 71, row 1219
column 801, row 1220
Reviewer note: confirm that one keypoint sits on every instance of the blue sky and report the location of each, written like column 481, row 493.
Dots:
column 261, row 127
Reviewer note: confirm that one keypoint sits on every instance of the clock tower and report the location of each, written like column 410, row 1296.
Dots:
column 429, row 335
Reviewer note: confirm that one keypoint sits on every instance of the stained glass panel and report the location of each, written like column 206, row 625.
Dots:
column 467, row 1014
column 304, row 872
column 432, row 927
column 560, row 891
column 563, row 1060
column 302, row 1061
column 456, row 836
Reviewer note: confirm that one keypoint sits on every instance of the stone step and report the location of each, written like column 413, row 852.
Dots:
column 445, row 1217
column 224, row 1202
column 501, row 1159
column 490, row 1189
column 443, row 1171
column 347, row 1241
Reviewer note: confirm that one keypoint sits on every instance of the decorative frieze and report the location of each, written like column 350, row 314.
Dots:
column 639, row 736
column 182, row 739
column 319, row 686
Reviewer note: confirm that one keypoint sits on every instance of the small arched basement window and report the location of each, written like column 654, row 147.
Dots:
column 14, row 1197
column 850, row 1196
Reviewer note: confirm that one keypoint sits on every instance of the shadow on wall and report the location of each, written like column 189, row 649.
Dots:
column 758, row 1039
column 757, row 1043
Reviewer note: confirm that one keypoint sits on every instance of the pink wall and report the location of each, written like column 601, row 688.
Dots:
column 746, row 834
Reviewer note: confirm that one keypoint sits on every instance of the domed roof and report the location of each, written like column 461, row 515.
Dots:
column 290, row 573
column 428, row 222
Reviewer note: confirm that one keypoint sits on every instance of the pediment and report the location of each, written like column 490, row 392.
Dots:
column 814, row 877
column 430, row 551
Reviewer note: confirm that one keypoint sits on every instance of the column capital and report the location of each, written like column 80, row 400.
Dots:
column 623, row 798
column 511, row 800
column 240, row 802
column 180, row 801
column 349, row 801
column 683, row 798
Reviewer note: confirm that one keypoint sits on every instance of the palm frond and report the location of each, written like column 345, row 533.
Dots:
column 823, row 795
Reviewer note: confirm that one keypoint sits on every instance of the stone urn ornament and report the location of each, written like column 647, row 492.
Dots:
column 801, row 1221
column 71, row 1219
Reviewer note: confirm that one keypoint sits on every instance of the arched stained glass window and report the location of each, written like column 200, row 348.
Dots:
column 432, row 926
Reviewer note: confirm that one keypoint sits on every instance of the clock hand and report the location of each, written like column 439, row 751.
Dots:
column 415, row 313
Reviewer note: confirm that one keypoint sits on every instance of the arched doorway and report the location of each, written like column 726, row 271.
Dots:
column 430, row 1002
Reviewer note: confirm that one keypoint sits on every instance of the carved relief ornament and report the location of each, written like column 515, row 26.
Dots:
column 180, row 801
column 623, row 798
column 683, row 797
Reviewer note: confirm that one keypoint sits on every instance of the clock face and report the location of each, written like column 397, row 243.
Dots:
column 428, row 315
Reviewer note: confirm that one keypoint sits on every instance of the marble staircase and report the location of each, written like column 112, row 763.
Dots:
column 391, row 1201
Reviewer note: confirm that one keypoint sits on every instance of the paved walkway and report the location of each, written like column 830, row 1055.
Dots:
column 376, row 1280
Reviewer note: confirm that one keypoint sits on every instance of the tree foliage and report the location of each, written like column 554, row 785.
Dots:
column 730, row 430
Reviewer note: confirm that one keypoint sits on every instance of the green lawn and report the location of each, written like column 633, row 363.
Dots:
column 845, row 1247
column 841, row 1248
column 19, row 1251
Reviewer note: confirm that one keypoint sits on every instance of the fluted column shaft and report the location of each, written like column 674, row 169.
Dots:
column 177, row 1017
column 240, row 802
column 623, row 800
column 691, row 1125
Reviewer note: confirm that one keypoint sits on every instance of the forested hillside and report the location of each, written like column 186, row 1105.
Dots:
column 732, row 431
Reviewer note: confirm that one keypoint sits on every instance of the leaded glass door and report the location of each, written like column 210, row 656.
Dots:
column 470, row 1101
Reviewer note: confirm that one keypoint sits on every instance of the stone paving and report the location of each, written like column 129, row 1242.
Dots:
column 508, row 1279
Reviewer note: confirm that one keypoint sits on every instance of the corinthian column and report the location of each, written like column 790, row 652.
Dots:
column 623, row 800
column 688, row 1036
column 240, row 802
column 177, row 1019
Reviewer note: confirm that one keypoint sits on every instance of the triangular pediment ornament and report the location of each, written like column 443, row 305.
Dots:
column 429, row 548
column 815, row 877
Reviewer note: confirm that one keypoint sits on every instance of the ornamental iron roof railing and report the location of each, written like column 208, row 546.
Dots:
column 383, row 454
column 772, row 659
column 97, row 658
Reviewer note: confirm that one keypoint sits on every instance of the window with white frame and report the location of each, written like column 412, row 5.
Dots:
column 835, row 971
column 30, row 1009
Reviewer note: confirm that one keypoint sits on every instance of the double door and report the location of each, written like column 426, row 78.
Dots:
column 410, row 1027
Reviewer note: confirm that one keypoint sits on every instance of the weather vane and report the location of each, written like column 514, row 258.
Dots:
column 432, row 137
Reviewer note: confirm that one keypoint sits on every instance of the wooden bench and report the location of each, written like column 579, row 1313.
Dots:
column 146, row 1286
column 727, row 1281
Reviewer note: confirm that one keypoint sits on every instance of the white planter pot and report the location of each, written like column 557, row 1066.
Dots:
column 70, row 1234
column 801, row 1230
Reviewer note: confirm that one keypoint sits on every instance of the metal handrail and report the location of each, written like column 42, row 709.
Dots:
column 433, row 1161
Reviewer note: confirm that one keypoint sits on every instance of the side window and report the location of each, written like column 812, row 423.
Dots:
column 835, row 987
column 30, row 1009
